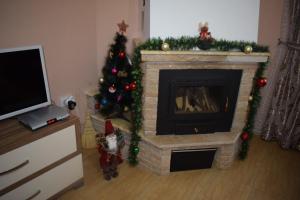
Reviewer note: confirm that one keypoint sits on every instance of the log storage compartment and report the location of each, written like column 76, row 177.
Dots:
column 189, row 159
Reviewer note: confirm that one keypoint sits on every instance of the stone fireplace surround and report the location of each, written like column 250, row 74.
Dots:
column 155, row 150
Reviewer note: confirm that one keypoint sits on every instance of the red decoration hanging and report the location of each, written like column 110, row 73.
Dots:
column 127, row 87
column 261, row 82
column 132, row 86
column 122, row 54
column 97, row 106
column 245, row 136
column 114, row 70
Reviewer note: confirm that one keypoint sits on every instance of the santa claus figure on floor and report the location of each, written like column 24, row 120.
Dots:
column 109, row 147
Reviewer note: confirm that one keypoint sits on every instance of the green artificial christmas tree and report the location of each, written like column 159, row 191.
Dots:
column 117, row 83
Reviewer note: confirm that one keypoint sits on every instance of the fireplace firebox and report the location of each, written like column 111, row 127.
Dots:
column 196, row 101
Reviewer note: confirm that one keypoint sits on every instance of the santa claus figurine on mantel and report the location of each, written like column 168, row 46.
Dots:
column 109, row 147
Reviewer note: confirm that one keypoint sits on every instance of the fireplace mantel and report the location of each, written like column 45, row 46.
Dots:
column 203, row 56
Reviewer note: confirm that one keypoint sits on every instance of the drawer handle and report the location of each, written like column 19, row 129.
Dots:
column 15, row 168
column 34, row 195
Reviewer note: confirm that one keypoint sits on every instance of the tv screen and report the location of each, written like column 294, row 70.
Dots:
column 23, row 81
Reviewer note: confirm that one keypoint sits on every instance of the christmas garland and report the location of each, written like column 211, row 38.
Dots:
column 190, row 43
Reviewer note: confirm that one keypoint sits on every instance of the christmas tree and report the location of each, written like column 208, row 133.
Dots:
column 117, row 82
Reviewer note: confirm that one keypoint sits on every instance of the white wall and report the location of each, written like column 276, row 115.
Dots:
column 227, row 19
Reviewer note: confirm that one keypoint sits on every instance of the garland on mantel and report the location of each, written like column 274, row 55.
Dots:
column 190, row 43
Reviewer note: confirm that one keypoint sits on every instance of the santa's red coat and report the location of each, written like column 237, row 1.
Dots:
column 105, row 157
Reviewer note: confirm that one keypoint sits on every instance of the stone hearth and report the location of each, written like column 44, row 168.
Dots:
column 155, row 150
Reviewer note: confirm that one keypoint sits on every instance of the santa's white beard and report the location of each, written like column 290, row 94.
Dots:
column 112, row 143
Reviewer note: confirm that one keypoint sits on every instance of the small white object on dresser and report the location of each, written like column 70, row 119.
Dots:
column 39, row 164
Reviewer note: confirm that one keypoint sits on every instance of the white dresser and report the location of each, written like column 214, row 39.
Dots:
column 39, row 164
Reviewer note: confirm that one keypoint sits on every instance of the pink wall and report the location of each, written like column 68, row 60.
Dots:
column 76, row 35
column 269, row 23
column 67, row 31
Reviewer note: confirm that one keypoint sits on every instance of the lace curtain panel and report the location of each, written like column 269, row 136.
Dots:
column 283, row 120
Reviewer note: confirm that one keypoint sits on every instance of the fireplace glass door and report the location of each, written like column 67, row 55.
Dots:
column 196, row 101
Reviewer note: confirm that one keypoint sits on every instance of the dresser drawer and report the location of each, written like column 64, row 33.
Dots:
column 36, row 155
column 49, row 183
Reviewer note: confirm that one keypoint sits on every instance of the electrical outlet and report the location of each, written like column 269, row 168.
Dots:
column 68, row 102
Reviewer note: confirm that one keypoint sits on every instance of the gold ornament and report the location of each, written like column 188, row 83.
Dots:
column 126, row 108
column 101, row 80
column 250, row 98
column 165, row 46
column 248, row 49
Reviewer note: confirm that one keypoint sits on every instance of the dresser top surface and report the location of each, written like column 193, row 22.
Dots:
column 13, row 134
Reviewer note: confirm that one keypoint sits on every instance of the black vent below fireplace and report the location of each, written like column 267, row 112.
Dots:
column 196, row 101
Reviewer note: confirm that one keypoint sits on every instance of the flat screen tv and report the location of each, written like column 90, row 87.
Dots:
column 23, row 81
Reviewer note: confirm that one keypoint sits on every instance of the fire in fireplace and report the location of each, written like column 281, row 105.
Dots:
column 196, row 101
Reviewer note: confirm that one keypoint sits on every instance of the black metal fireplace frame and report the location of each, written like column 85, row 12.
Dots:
column 196, row 123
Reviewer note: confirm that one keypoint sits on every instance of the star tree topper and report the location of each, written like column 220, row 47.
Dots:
column 122, row 27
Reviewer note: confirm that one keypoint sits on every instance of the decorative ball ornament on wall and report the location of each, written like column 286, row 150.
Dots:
column 165, row 46
column 132, row 86
column 245, row 136
column 261, row 82
column 104, row 101
column 126, row 108
column 250, row 98
column 122, row 55
column 248, row 49
column 127, row 87
column 112, row 89
column 114, row 70
column 97, row 106
column 136, row 150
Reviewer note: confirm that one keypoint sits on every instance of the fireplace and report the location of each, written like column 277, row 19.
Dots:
column 187, row 93
column 196, row 101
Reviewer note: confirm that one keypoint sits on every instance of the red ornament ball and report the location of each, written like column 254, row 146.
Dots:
column 97, row 106
column 122, row 55
column 132, row 86
column 127, row 87
column 114, row 70
column 261, row 82
column 245, row 136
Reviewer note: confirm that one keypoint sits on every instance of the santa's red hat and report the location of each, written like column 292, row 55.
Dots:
column 109, row 129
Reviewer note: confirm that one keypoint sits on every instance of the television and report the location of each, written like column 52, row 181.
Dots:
column 23, row 81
